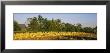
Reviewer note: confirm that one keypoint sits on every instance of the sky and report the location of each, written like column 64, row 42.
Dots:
column 86, row 19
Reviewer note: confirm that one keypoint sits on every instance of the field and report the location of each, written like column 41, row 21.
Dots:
column 54, row 36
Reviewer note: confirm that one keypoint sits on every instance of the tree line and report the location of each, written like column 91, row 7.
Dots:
column 41, row 24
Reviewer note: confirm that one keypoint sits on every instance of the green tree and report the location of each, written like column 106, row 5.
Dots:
column 88, row 29
column 16, row 26
column 42, row 24
column 78, row 27
column 95, row 29
column 33, row 24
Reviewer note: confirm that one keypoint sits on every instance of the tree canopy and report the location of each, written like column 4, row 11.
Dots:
column 42, row 24
column 16, row 26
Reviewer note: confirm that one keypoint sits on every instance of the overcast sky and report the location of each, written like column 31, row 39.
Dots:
column 86, row 19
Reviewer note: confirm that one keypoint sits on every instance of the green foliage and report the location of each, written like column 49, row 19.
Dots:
column 16, row 26
column 42, row 24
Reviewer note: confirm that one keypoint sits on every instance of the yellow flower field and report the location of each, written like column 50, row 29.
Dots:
column 54, row 36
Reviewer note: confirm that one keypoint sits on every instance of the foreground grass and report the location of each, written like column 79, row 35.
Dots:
column 55, row 36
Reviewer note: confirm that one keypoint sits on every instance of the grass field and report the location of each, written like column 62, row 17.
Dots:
column 55, row 36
